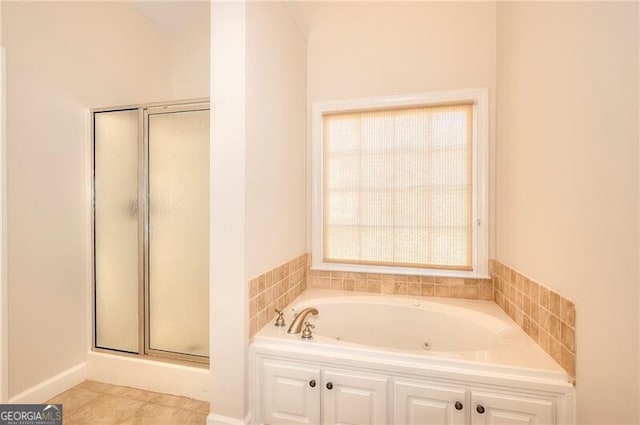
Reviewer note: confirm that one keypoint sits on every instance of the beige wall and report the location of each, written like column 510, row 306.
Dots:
column 191, row 52
column 276, row 93
column 257, row 174
column 63, row 58
column 384, row 48
column 567, row 186
column 228, row 290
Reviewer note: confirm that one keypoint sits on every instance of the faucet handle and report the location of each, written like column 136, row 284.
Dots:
column 280, row 319
column 306, row 333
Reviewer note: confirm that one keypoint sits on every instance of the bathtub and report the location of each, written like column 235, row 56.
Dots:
column 471, row 334
column 380, row 359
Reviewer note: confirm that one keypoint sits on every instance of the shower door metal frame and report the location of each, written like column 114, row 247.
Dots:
column 144, row 110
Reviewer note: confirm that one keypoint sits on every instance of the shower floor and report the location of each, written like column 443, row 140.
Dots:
column 96, row 403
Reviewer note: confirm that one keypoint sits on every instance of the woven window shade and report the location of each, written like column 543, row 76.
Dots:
column 397, row 187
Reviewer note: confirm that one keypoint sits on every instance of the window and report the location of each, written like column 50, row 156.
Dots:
column 399, row 184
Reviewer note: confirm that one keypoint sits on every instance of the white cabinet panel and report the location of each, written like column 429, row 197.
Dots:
column 354, row 398
column 425, row 403
column 503, row 409
column 316, row 393
column 290, row 394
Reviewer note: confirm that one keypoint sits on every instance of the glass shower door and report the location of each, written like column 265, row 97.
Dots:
column 177, row 278
column 151, row 229
column 116, row 226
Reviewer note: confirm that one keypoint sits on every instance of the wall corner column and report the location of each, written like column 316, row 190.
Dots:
column 228, row 289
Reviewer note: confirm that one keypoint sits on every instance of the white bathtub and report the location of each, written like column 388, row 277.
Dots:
column 399, row 360
column 471, row 334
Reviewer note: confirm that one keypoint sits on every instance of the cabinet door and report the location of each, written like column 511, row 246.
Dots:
column 426, row 403
column 504, row 409
column 354, row 399
column 290, row 394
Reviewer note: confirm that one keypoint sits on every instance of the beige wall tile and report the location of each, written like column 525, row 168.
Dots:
column 348, row 284
column 253, row 288
column 568, row 312
column 400, row 287
column 535, row 313
column 486, row 294
column 427, row 289
column 361, row 285
column 387, row 287
column 544, row 297
column 554, row 303
column 555, row 328
column 526, row 305
column 456, row 291
column 414, row 288
column 427, row 279
column 545, row 319
column 442, row 291
column 336, row 283
column 568, row 337
column 324, row 283
column 568, row 362
column 253, row 307
column 471, row 293
column 374, row 285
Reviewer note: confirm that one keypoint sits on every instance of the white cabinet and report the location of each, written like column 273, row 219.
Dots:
column 302, row 394
column 419, row 403
column 316, row 391
column 354, row 398
column 505, row 409
column 290, row 393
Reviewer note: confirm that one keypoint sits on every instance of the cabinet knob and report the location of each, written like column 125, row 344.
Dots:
column 458, row 405
column 312, row 383
column 480, row 409
column 329, row 385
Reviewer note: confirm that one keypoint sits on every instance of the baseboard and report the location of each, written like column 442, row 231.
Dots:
column 214, row 419
column 150, row 375
column 52, row 386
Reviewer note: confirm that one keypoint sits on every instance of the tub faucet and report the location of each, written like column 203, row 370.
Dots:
column 298, row 321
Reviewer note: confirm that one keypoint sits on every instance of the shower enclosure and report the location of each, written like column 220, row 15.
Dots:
column 151, row 229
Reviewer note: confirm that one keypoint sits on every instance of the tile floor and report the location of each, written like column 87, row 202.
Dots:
column 95, row 403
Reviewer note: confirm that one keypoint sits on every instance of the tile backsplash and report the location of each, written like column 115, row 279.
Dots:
column 275, row 289
column 398, row 284
column 548, row 317
column 545, row 315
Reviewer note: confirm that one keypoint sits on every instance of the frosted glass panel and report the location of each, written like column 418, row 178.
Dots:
column 179, row 232
column 116, row 230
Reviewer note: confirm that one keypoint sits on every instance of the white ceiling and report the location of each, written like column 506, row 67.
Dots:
column 171, row 16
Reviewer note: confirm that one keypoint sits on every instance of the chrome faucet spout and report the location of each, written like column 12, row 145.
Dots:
column 296, row 325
